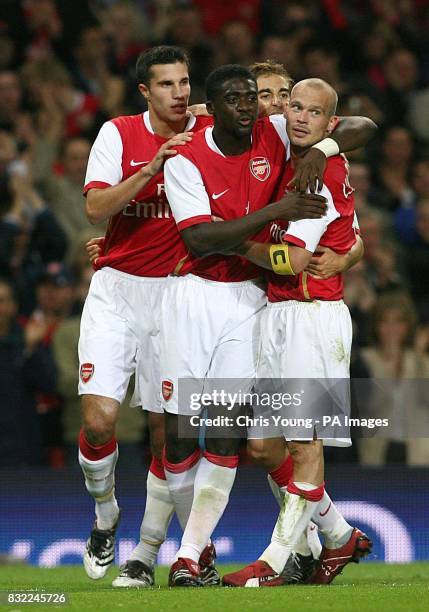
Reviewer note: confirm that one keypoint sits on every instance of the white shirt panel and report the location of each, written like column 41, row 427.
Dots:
column 105, row 158
column 185, row 189
column 310, row 231
column 279, row 124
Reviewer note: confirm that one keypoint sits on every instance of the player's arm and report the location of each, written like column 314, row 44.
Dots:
column 284, row 259
column 351, row 133
column 328, row 263
column 102, row 203
column 190, row 204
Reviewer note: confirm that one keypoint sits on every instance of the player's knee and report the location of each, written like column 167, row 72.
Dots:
column 302, row 453
column 258, row 453
column 99, row 415
column 222, row 447
column 180, row 450
column 98, row 429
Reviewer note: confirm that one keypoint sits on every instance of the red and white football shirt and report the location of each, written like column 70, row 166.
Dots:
column 336, row 230
column 201, row 181
column 142, row 239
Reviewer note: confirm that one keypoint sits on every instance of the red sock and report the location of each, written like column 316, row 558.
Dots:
column 95, row 453
column 157, row 468
column 283, row 473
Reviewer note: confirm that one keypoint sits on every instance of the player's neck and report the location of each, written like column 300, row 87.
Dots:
column 230, row 144
column 296, row 153
column 164, row 128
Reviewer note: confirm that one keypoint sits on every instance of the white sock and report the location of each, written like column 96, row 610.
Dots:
column 309, row 543
column 100, row 483
column 181, row 487
column 332, row 525
column 213, row 484
column 157, row 517
column 293, row 519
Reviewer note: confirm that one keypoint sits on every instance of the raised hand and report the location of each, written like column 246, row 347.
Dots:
column 294, row 206
column 309, row 172
column 166, row 150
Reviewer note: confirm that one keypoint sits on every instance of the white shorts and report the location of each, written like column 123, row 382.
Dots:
column 309, row 341
column 119, row 336
column 210, row 330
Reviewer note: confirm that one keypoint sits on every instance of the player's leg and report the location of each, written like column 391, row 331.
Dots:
column 138, row 570
column 272, row 454
column 107, row 349
column 98, row 453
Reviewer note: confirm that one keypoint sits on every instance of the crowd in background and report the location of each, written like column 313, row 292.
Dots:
column 66, row 67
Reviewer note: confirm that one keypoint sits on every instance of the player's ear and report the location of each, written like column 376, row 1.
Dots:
column 333, row 122
column 209, row 107
column 144, row 90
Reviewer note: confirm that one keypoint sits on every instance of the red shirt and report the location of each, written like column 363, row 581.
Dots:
column 336, row 230
column 142, row 239
column 201, row 182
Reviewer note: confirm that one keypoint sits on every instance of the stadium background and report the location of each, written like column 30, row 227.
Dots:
column 66, row 67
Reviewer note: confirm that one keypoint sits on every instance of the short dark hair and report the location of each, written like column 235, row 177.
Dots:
column 163, row 54
column 217, row 78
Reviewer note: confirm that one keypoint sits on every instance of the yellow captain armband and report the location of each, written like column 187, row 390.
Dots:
column 280, row 261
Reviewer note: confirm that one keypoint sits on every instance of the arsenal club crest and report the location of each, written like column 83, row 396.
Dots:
column 86, row 372
column 167, row 389
column 260, row 168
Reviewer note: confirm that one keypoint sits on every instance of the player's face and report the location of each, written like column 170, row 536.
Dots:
column 235, row 108
column 168, row 91
column 308, row 115
column 273, row 94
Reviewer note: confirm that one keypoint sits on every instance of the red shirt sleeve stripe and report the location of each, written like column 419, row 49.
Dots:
column 95, row 185
column 294, row 240
column 193, row 221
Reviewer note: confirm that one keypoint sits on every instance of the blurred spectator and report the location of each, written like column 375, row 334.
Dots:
column 401, row 72
column 394, row 168
column 396, row 357
column 380, row 256
column 54, row 304
column 128, row 32
column 29, row 233
column 10, row 100
column 236, row 44
column 92, row 73
column 25, row 370
column 63, row 192
column 282, row 50
column 417, row 256
column 365, row 194
column 360, row 297
column 186, row 31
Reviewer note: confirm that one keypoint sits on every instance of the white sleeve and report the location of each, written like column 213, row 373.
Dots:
column 279, row 124
column 356, row 226
column 105, row 158
column 185, row 192
column 310, row 231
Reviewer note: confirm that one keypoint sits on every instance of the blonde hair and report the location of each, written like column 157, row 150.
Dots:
column 270, row 67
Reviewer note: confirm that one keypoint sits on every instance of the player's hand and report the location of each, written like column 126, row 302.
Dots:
column 327, row 264
column 168, row 149
column 309, row 172
column 95, row 248
column 294, row 206
column 199, row 110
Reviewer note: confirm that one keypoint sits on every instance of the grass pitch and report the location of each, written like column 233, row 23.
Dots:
column 365, row 587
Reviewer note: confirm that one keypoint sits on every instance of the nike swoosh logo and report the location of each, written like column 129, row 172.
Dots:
column 215, row 196
column 326, row 511
column 134, row 163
